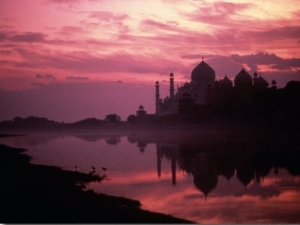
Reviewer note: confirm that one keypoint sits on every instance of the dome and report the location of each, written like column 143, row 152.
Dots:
column 203, row 72
column 225, row 82
column 186, row 85
column 243, row 78
column 141, row 107
column 262, row 82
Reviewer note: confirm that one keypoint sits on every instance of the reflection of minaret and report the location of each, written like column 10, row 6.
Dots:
column 171, row 152
column 173, row 167
column 157, row 102
column 158, row 156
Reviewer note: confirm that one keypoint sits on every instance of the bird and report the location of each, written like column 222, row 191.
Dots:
column 104, row 168
column 93, row 168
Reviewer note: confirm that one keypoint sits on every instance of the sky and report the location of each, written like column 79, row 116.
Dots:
column 69, row 60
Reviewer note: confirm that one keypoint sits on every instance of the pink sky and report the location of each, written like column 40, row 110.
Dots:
column 63, row 59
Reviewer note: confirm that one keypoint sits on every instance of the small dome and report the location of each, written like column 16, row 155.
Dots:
column 262, row 82
column 225, row 82
column 171, row 74
column 141, row 107
column 186, row 85
column 157, row 83
column 203, row 72
column 243, row 78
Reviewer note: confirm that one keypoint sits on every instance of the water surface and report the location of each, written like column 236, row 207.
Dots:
column 227, row 180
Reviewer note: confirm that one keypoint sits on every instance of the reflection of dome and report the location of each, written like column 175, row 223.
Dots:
column 245, row 174
column 203, row 72
column 243, row 79
column 227, row 173
column 205, row 181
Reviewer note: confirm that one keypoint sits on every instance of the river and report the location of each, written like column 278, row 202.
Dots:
column 209, row 180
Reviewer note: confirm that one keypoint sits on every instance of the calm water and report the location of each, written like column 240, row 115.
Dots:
column 227, row 180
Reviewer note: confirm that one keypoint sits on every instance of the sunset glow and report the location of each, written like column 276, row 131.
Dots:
column 65, row 43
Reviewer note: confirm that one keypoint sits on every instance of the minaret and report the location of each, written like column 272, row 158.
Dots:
column 274, row 84
column 171, row 86
column 157, row 103
column 172, row 94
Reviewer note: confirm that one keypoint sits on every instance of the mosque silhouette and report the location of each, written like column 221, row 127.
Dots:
column 246, row 97
column 204, row 90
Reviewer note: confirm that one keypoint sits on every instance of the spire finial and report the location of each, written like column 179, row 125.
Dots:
column 202, row 58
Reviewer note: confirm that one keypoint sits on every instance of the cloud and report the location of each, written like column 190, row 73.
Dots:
column 37, row 84
column 45, row 76
column 77, row 78
column 28, row 37
column 263, row 58
column 108, row 16
column 285, row 32
column 64, row 1
column 114, row 22
column 191, row 56
column 71, row 30
column 3, row 37
column 168, row 26
column 218, row 13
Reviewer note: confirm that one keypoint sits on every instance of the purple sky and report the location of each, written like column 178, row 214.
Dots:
column 63, row 59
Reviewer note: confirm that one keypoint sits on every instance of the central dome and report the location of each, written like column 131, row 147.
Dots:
column 203, row 72
column 243, row 79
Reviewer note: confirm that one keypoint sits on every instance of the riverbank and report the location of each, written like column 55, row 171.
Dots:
column 45, row 194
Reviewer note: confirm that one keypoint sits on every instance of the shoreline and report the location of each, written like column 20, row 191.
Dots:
column 47, row 194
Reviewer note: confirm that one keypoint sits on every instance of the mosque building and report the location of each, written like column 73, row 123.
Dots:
column 204, row 89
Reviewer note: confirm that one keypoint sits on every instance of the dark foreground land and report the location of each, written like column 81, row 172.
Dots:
column 44, row 194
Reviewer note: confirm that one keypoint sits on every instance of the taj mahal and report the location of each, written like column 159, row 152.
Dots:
column 204, row 90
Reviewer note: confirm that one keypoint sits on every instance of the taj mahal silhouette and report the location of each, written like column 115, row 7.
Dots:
column 204, row 90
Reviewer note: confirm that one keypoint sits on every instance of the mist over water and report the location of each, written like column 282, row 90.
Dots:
column 208, row 178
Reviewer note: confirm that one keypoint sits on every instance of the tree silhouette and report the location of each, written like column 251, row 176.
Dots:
column 112, row 118
column 131, row 119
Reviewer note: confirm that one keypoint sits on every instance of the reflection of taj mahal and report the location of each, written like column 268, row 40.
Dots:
column 204, row 89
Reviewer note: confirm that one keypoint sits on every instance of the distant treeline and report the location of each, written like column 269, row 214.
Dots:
column 33, row 122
